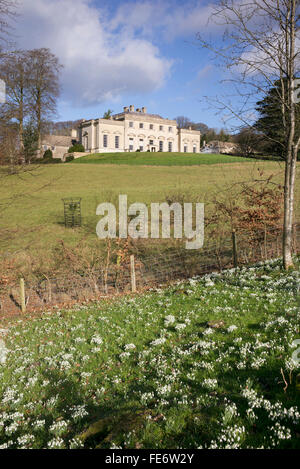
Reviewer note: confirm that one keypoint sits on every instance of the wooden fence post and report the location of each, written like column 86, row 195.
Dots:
column 294, row 237
column 234, row 249
column 132, row 274
column 22, row 295
column 265, row 243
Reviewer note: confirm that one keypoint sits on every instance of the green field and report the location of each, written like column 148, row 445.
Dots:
column 33, row 215
column 158, row 159
column 31, row 207
column 199, row 365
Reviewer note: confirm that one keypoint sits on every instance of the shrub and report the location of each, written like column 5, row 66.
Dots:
column 48, row 155
column 50, row 160
column 69, row 158
column 77, row 148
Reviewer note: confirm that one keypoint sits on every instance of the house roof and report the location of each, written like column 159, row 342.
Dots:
column 143, row 115
column 134, row 113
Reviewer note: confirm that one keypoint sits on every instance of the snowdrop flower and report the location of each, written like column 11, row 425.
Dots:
column 210, row 383
column 169, row 320
column 232, row 328
column 96, row 339
column 159, row 341
column 130, row 347
column 56, row 443
column 3, row 352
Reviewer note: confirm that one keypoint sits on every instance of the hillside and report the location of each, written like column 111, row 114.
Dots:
column 158, row 159
column 32, row 214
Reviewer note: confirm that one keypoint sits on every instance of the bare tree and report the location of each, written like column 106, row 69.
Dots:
column 9, row 155
column 183, row 122
column 14, row 70
column 248, row 141
column 44, row 87
column 261, row 47
column 8, row 11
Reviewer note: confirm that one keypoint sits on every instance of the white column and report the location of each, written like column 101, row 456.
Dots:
column 99, row 143
column 93, row 136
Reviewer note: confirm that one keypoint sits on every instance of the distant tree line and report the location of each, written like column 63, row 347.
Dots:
column 63, row 128
column 207, row 134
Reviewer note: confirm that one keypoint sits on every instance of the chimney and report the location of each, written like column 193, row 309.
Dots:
column 126, row 109
column 131, row 108
column 74, row 133
column 144, row 110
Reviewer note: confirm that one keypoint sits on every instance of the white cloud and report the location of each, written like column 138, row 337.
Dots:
column 99, row 64
column 163, row 18
column 108, row 56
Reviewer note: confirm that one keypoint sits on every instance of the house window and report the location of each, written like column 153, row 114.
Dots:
column 141, row 125
column 130, row 124
column 185, row 148
column 45, row 147
column 105, row 141
column 194, row 149
column 161, row 145
column 170, row 129
column 52, row 148
column 151, row 126
column 161, row 127
column 117, row 141
column 141, row 148
column 170, row 147
column 131, row 147
column 151, row 142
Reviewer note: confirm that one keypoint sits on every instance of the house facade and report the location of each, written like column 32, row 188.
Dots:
column 136, row 130
column 59, row 144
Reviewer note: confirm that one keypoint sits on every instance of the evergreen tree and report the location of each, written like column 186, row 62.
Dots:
column 271, row 122
column 108, row 114
column 30, row 142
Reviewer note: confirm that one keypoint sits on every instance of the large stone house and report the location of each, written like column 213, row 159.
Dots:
column 133, row 130
column 59, row 144
column 216, row 146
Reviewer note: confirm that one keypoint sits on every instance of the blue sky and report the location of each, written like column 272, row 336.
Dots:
column 116, row 53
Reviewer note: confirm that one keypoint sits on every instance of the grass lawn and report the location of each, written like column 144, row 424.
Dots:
column 33, row 216
column 158, row 159
column 197, row 365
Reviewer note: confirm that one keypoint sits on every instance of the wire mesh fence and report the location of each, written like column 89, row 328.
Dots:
column 144, row 271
